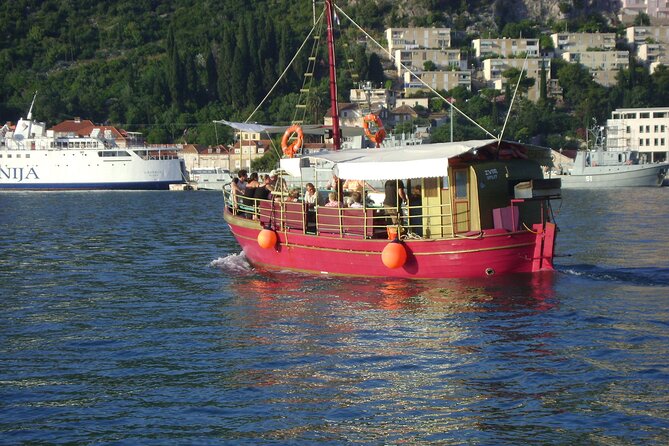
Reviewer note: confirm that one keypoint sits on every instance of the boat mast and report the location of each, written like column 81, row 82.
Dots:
column 336, row 135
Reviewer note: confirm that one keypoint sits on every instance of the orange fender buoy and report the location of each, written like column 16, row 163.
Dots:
column 267, row 238
column 394, row 255
column 378, row 137
column 291, row 149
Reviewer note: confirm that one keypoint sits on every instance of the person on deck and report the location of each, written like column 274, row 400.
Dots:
column 310, row 195
column 394, row 189
column 357, row 186
column 356, row 200
column 332, row 201
column 262, row 192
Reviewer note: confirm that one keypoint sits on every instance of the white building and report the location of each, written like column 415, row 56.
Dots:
column 437, row 80
column 494, row 68
column 376, row 97
column 415, row 59
column 582, row 42
column 643, row 129
column 658, row 9
column 505, row 47
column 603, row 65
column 413, row 38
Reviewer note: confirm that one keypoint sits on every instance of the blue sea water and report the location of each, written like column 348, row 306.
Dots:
column 133, row 318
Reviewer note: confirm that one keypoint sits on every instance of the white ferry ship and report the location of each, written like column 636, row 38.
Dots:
column 34, row 158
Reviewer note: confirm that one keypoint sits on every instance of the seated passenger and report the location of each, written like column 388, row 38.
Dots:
column 262, row 192
column 310, row 195
column 332, row 201
column 356, row 200
column 293, row 195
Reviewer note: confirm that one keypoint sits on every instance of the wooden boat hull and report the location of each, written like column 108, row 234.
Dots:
column 477, row 255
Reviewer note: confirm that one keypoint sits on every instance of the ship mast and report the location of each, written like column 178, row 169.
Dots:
column 336, row 134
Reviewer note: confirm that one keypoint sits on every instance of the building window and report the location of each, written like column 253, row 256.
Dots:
column 647, row 129
column 655, row 142
column 655, row 129
column 647, row 141
column 662, row 141
column 640, row 129
column 627, row 129
column 640, row 142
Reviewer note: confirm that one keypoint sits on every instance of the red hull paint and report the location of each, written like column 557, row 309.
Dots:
column 427, row 259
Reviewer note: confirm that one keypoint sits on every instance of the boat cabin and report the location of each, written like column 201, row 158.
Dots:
column 452, row 190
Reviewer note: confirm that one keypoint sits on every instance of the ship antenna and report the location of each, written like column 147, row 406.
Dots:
column 30, row 112
column 336, row 135
column 508, row 112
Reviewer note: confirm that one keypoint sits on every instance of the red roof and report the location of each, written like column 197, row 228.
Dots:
column 81, row 128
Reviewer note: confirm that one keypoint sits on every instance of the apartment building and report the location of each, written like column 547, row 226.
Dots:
column 415, row 59
column 494, row 68
column 438, row 80
column 412, row 38
column 658, row 9
column 638, row 35
column 582, row 42
column 604, row 65
column 652, row 55
column 643, row 129
column 376, row 97
column 505, row 47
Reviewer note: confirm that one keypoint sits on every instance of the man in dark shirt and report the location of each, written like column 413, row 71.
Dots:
column 393, row 189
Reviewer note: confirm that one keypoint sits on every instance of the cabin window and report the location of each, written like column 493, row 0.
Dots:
column 461, row 184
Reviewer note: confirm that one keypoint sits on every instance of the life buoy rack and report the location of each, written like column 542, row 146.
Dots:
column 378, row 137
column 291, row 149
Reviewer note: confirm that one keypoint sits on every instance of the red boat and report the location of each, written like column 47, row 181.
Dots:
column 479, row 208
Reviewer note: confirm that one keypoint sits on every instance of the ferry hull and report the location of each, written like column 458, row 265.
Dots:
column 139, row 185
column 478, row 256
column 83, row 170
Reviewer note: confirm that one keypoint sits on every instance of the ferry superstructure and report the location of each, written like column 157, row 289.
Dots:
column 34, row 158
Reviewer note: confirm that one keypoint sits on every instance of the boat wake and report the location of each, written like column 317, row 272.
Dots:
column 639, row 276
column 233, row 262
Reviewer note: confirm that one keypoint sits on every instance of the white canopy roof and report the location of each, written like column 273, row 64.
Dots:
column 422, row 161
column 312, row 129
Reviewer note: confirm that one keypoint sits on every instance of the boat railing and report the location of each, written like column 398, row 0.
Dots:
column 352, row 222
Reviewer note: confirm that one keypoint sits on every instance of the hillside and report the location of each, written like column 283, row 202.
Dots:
column 170, row 68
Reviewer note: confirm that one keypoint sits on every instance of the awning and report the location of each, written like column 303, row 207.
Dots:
column 309, row 129
column 421, row 161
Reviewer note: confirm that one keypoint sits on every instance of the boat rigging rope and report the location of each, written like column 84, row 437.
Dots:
column 412, row 73
column 508, row 113
column 283, row 74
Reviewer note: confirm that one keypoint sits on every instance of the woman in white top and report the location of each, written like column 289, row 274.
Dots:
column 310, row 195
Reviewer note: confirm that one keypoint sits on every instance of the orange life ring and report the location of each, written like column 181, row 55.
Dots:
column 380, row 134
column 291, row 149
